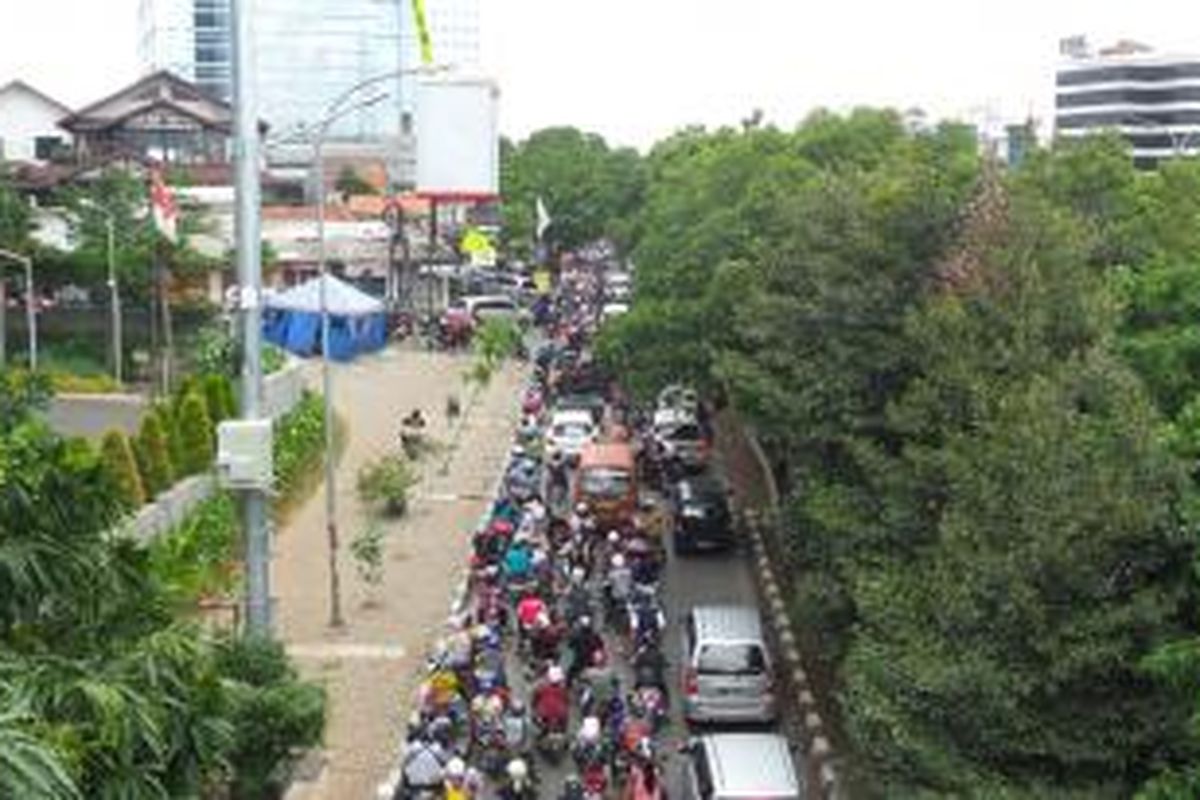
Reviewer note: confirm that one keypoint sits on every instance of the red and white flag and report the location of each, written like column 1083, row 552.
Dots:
column 163, row 207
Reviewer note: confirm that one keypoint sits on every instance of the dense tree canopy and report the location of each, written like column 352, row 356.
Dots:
column 978, row 388
column 589, row 189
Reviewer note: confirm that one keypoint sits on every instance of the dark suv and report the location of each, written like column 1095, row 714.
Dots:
column 702, row 518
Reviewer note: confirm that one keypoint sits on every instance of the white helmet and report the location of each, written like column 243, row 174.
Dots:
column 589, row 731
column 456, row 768
column 578, row 574
column 581, row 509
column 613, row 537
column 555, row 674
column 618, row 561
column 518, row 770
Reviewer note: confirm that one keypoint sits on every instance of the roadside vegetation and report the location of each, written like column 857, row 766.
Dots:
column 107, row 689
column 979, row 389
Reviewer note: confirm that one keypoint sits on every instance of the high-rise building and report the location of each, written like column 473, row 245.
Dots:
column 190, row 38
column 1152, row 99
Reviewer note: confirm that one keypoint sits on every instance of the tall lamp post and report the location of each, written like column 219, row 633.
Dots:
column 322, row 128
column 337, row 109
column 30, row 302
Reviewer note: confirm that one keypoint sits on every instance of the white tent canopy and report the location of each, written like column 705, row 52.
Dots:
column 342, row 299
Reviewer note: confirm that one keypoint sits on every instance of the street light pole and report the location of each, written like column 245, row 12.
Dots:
column 338, row 110
column 115, row 301
column 249, row 263
column 30, row 303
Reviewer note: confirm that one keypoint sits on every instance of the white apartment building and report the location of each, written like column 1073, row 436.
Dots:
column 1152, row 99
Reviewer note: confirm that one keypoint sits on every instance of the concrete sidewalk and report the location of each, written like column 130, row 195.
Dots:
column 371, row 665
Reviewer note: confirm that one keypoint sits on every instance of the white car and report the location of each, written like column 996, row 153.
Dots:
column 613, row 310
column 570, row 431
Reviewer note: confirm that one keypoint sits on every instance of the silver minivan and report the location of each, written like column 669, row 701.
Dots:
column 727, row 668
column 740, row 766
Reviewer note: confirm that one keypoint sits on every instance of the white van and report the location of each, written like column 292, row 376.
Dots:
column 740, row 766
column 727, row 674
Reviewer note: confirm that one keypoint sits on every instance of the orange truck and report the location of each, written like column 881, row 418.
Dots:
column 607, row 481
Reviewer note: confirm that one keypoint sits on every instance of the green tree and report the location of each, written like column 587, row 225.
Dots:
column 589, row 189
column 195, row 434
column 218, row 396
column 122, row 468
column 158, row 473
column 349, row 182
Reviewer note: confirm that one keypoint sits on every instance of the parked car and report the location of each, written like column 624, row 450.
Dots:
column 727, row 666
column 569, row 431
column 739, row 766
column 702, row 517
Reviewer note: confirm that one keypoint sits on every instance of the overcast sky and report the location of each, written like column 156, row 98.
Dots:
column 635, row 70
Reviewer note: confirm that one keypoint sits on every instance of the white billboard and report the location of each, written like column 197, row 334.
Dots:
column 458, row 137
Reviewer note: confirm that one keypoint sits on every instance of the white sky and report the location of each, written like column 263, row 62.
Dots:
column 635, row 70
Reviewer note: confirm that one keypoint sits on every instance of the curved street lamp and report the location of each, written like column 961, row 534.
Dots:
column 338, row 108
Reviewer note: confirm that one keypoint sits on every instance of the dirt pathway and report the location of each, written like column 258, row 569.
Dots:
column 370, row 665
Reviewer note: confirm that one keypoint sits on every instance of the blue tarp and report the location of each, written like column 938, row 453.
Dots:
column 357, row 323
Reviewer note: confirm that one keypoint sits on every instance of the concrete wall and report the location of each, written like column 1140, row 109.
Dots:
column 91, row 415
column 171, row 507
column 281, row 393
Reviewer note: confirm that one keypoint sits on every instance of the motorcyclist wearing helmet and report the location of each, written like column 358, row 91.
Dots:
column 618, row 587
column 584, row 644
column 649, row 668
column 423, row 766
column 552, row 700
column 462, row 782
column 518, row 783
column 590, row 748
column 572, row 789
column 516, row 726
column 518, row 561
column 646, row 619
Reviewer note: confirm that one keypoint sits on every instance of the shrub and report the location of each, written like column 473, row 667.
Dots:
column 367, row 549
column 170, row 425
column 196, row 435
column 299, row 442
column 273, row 714
column 386, row 482
column 194, row 558
column 70, row 383
column 218, row 396
column 154, row 457
column 122, row 469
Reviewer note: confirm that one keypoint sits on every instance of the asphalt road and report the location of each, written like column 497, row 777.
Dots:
column 689, row 581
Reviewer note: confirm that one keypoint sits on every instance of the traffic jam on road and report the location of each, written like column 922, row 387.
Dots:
column 608, row 644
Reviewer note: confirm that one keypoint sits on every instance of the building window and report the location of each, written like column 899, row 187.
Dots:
column 46, row 148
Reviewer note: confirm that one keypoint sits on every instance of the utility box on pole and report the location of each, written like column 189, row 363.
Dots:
column 244, row 455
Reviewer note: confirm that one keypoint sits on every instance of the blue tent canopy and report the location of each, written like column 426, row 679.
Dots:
column 357, row 322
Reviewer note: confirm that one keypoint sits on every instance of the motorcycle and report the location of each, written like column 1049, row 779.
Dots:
column 552, row 740
column 595, row 780
column 643, row 783
column 653, row 703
